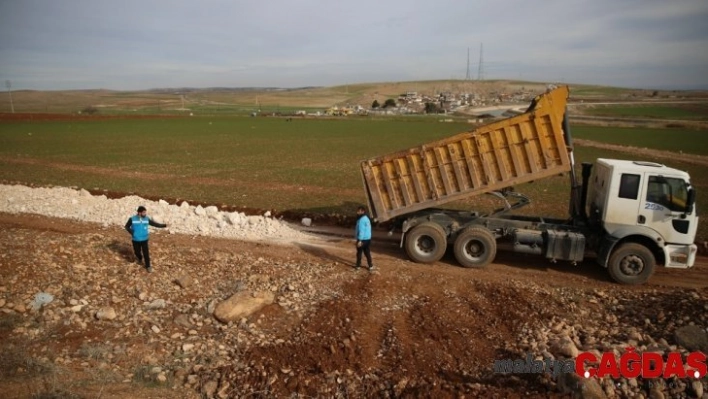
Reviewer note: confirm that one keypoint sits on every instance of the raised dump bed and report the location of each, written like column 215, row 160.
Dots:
column 502, row 154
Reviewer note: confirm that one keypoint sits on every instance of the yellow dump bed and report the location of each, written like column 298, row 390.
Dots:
column 516, row 150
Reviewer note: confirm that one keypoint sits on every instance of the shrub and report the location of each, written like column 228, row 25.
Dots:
column 389, row 103
column 90, row 110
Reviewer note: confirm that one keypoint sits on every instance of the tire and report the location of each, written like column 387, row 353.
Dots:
column 475, row 247
column 426, row 243
column 631, row 264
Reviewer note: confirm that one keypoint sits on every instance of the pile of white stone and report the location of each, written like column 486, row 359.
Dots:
column 184, row 218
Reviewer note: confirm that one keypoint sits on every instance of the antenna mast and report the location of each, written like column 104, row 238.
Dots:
column 480, row 74
column 8, row 84
column 468, row 64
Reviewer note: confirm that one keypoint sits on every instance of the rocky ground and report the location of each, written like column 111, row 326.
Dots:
column 226, row 318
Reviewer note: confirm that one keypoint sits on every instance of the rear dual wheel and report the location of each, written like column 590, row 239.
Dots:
column 426, row 243
column 475, row 247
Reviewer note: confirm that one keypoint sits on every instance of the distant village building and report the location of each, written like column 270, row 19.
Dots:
column 446, row 101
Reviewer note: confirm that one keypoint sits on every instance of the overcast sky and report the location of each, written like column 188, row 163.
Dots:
column 143, row 44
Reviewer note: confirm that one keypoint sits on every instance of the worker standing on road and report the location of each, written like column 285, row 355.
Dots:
column 137, row 226
column 362, row 234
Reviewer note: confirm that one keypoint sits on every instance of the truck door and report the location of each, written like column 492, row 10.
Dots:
column 663, row 208
column 625, row 206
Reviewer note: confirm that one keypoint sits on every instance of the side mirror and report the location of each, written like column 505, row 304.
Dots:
column 691, row 200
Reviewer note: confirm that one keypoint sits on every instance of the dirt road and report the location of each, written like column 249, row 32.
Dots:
column 407, row 330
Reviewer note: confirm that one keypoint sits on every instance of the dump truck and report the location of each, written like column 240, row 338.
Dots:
column 629, row 215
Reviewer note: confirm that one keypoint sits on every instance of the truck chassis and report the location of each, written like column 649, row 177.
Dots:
column 475, row 239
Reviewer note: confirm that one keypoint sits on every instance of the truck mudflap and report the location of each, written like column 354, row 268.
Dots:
column 603, row 254
column 639, row 234
column 680, row 256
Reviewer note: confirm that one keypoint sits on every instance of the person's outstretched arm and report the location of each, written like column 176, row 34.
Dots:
column 155, row 224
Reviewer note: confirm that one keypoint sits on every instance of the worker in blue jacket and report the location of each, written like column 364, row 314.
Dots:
column 362, row 234
column 137, row 226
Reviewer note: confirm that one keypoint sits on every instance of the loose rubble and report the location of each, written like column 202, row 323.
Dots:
column 228, row 318
column 183, row 218
column 634, row 321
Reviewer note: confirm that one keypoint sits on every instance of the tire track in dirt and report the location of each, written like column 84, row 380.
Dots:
column 508, row 264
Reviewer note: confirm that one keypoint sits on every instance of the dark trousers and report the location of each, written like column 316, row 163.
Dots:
column 364, row 248
column 142, row 251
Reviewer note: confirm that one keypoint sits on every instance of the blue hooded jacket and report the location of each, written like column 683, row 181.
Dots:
column 363, row 228
column 138, row 227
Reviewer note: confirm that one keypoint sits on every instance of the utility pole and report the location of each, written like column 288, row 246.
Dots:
column 8, row 84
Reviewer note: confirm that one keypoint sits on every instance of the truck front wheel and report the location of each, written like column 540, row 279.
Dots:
column 475, row 247
column 631, row 264
column 426, row 243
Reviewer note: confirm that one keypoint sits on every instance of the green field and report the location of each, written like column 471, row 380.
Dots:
column 255, row 162
column 683, row 112
column 303, row 166
column 684, row 140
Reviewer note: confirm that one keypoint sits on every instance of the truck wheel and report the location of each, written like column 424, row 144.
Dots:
column 631, row 264
column 475, row 247
column 426, row 243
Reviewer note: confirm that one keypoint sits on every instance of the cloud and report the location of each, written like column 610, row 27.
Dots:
column 136, row 45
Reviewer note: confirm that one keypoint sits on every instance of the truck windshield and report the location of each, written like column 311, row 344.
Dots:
column 669, row 192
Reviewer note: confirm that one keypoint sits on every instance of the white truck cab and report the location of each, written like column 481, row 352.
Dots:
column 644, row 203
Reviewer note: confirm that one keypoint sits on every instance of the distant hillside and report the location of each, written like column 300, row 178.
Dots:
column 244, row 99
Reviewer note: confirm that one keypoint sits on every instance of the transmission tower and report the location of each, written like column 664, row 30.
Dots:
column 468, row 64
column 480, row 70
column 8, row 84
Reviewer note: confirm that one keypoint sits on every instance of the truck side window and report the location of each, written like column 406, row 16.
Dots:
column 629, row 186
column 669, row 192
